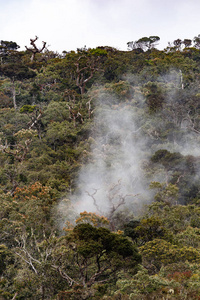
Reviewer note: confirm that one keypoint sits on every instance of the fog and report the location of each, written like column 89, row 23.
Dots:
column 123, row 139
column 113, row 180
column 114, row 175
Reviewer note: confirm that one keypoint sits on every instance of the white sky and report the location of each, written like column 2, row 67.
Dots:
column 71, row 24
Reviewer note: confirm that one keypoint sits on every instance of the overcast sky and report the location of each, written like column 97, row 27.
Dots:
column 71, row 24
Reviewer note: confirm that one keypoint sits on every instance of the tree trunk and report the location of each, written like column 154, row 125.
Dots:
column 14, row 94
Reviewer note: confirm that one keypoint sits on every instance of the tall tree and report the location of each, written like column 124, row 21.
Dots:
column 15, row 69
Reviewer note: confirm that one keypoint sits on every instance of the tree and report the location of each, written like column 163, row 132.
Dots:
column 83, row 257
column 167, row 193
column 34, row 50
column 74, row 108
column 86, row 72
column 145, row 43
column 115, row 201
column 154, row 96
column 16, row 70
column 132, row 45
column 187, row 43
column 160, row 252
column 196, row 41
column 6, row 48
column 177, row 44
column 99, row 254
column 93, row 219
column 147, row 230
column 35, row 115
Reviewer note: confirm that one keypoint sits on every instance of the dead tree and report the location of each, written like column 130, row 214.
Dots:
column 14, row 92
column 34, row 50
column 95, row 201
column 90, row 111
column 191, row 122
column 34, row 122
column 115, row 200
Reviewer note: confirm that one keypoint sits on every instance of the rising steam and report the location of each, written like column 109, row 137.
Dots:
column 123, row 140
column 113, row 180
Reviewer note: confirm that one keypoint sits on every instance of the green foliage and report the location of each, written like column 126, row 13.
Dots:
column 98, row 52
column 49, row 136
column 154, row 97
column 15, row 67
column 160, row 252
column 169, row 160
column 8, row 45
column 104, row 241
column 167, row 193
column 150, row 229
column 27, row 108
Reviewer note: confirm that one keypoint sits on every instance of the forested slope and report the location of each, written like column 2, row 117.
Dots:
column 100, row 167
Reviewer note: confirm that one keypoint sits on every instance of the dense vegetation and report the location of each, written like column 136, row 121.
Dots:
column 143, row 246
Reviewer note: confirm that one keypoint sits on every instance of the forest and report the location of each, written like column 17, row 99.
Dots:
column 100, row 171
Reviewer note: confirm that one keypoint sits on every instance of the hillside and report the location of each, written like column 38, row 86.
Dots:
column 100, row 172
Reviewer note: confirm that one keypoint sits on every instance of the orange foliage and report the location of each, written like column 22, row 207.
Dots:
column 92, row 218
column 180, row 276
column 69, row 227
column 33, row 191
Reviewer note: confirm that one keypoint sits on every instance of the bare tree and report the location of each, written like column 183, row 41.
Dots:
column 115, row 200
column 90, row 110
column 191, row 122
column 34, row 50
column 14, row 92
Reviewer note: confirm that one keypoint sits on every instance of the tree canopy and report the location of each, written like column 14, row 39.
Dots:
column 99, row 171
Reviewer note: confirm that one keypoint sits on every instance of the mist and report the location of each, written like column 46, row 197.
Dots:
column 113, row 180
column 116, row 156
column 123, row 141
column 178, row 101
